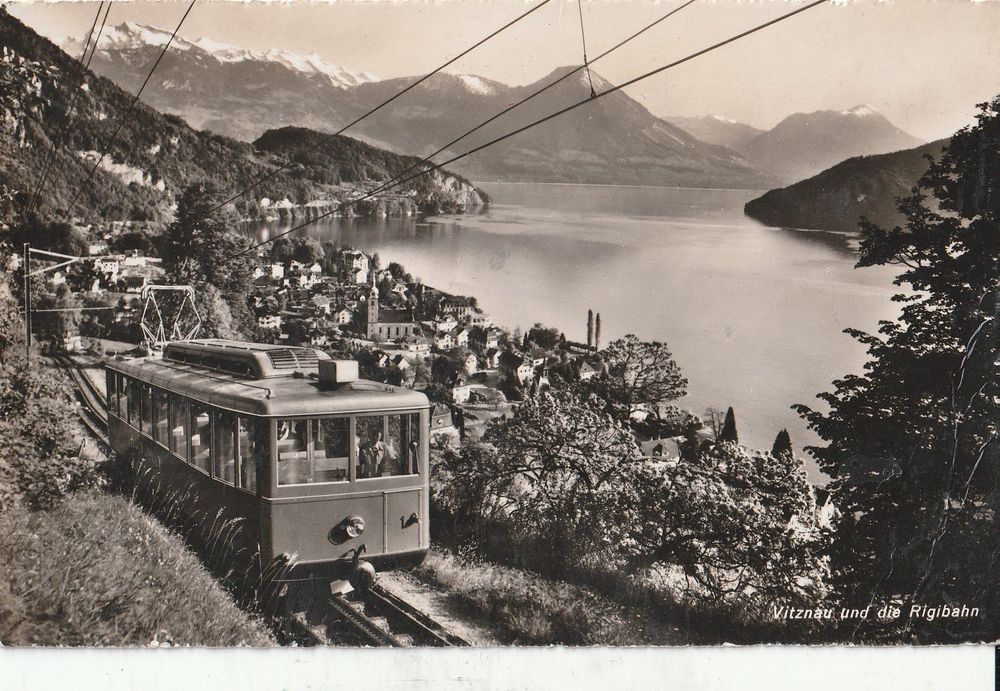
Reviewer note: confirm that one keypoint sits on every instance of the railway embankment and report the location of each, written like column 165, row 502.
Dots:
column 97, row 570
column 80, row 566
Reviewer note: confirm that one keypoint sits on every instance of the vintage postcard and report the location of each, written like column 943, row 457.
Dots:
column 505, row 323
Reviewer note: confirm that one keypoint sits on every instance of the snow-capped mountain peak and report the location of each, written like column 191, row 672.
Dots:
column 476, row 85
column 130, row 35
column 861, row 111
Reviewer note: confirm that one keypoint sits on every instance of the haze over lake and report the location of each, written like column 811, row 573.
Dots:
column 754, row 315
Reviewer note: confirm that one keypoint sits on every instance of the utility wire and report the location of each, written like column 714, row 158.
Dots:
column 85, row 64
column 386, row 102
column 536, row 92
column 135, row 100
column 547, row 118
column 583, row 40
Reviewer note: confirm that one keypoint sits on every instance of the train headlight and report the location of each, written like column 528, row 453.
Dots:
column 354, row 526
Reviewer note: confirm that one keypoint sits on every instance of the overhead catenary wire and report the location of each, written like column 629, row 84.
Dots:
column 135, row 100
column 85, row 65
column 547, row 118
column 583, row 41
column 558, row 80
column 386, row 102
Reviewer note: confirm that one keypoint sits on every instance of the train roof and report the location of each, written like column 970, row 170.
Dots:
column 262, row 379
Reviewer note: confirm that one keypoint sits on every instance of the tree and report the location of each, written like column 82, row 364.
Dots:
column 543, row 336
column 40, row 458
column 735, row 524
column 912, row 443
column 56, row 327
column 54, row 236
column 728, row 432
column 308, row 251
column 282, row 250
column 597, row 332
column 782, row 445
column 590, row 329
column 638, row 373
column 200, row 249
column 557, row 461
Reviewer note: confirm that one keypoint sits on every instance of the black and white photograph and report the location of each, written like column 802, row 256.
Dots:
column 500, row 323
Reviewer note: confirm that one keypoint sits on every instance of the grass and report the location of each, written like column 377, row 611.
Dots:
column 97, row 570
column 664, row 607
column 523, row 608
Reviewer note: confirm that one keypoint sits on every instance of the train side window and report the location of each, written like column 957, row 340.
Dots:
column 411, row 459
column 253, row 449
column 294, row 467
column 119, row 400
column 146, row 399
column 112, row 379
column 224, row 455
column 178, row 427
column 200, row 427
column 331, row 447
column 161, row 419
column 132, row 401
column 386, row 446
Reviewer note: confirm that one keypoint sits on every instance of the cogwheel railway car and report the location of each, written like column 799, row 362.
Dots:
column 319, row 465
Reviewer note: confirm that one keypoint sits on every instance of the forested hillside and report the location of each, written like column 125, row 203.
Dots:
column 837, row 198
column 154, row 156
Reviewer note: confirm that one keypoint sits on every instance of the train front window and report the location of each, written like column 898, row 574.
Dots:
column 388, row 445
column 201, row 437
column 161, row 420
column 224, row 456
column 331, row 447
column 178, row 427
column 253, row 450
column 294, row 467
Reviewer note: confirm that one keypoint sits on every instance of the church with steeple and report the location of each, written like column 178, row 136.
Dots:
column 387, row 324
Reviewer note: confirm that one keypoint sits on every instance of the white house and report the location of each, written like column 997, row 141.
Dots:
column 460, row 336
column 480, row 318
column 492, row 358
column 418, row 345
column 270, row 321
column 443, row 340
column 322, row 303
column 445, row 323
column 342, row 316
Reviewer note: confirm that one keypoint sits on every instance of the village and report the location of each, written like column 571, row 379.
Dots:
column 342, row 300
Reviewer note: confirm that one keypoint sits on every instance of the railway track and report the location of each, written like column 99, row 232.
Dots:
column 94, row 414
column 375, row 618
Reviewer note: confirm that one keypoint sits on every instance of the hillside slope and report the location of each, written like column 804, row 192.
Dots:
column 154, row 156
column 713, row 129
column 805, row 144
column 838, row 197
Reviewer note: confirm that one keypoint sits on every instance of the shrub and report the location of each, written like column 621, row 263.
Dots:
column 40, row 460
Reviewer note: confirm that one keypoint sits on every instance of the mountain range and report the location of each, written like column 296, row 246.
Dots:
column 241, row 93
column 838, row 197
column 44, row 97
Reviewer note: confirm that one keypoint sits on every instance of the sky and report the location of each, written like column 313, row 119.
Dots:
column 923, row 64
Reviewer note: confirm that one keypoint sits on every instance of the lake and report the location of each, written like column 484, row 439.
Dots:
column 754, row 315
